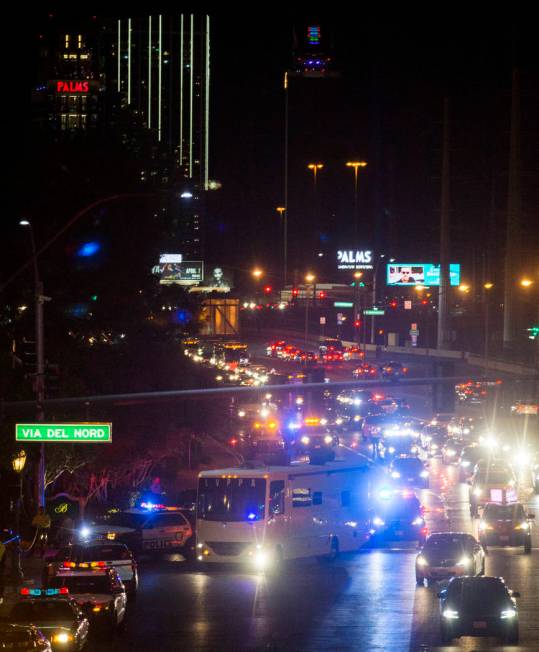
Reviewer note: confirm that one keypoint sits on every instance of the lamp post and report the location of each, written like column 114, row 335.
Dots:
column 309, row 278
column 315, row 168
column 357, row 306
column 356, row 165
column 374, row 279
column 282, row 212
column 486, row 287
column 18, row 463
column 40, row 361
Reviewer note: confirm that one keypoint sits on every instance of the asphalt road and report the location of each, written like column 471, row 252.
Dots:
column 364, row 601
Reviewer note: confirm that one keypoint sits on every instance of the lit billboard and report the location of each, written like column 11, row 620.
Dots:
column 420, row 274
column 216, row 279
column 354, row 259
column 184, row 273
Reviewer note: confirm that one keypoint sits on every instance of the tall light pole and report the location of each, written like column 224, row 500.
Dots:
column 356, row 165
column 309, row 278
column 18, row 463
column 315, row 169
column 282, row 212
column 486, row 287
column 357, row 306
column 39, row 385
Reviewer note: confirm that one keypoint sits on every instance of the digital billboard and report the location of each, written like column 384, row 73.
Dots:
column 185, row 273
column 216, row 279
column 420, row 274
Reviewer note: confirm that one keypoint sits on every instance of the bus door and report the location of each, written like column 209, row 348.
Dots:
column 277, row 528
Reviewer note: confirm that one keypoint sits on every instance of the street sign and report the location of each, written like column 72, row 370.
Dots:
column 92, row 433
column 374, row 311
column 340, row 318
column 407, row 305
column 343, row 304
column 414, row 332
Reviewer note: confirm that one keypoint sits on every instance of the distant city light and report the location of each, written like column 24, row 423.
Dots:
column 88, row 249
column 186, row 195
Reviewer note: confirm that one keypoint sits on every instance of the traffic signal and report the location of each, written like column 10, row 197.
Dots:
column 424, row 302
column 322, row 294
column 357, row 323
column 393, row 304
column 267, row 289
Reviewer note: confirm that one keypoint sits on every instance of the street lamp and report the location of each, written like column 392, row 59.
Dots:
column 309, row 278
column 40, row 360
column 257, row 273
column 486, row 287
column 357, row 304
column 526, row 282
column 464, row 288
column 282, row 212
column 356, row 165
column 18, row 462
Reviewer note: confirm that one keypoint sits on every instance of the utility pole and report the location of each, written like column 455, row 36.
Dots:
column 512, row 237
column 285, row 216
column 443, row 295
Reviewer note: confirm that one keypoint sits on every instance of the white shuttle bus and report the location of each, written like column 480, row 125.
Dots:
column 261, row 516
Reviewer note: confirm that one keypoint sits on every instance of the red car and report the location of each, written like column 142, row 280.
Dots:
column 365, row 370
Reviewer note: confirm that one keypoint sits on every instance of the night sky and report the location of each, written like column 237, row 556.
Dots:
column 386, row 108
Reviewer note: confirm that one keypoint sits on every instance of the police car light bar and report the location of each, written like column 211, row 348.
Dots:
column 44, row 593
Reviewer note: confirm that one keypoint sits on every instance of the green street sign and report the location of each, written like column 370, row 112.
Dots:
column 343, row 304
column 77, row 433
column 374, row 311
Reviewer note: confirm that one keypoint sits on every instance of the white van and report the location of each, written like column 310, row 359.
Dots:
column 262, row 516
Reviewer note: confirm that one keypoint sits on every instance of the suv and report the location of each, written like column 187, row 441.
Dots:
column 478, row 606
column 148, row 528
column 96, row 555
column 506, row 525
column 449, row 554
column 399, row 517
column 494, row 482
column 409, row 472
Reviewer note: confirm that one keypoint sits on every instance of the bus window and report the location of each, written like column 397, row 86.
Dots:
column 346, row 498
column 317, row 498
column 301, row 498
column 276, row 505
column 237, row 499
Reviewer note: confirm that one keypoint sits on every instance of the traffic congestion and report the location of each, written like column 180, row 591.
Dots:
column 333, row 475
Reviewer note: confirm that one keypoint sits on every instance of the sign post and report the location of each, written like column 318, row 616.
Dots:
column 75, row 433
column 414, row 332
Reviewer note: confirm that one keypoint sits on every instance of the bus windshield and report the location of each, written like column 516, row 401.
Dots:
column 231, row 499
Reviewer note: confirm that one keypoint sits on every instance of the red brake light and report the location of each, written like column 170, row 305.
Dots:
column 25, row 591
column 64, row 590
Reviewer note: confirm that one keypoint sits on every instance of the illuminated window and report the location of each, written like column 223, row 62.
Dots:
column 84, row 56
column 63, row 121
column 301, row 498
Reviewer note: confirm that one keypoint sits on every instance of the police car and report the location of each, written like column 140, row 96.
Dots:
column 55, row 613
column 100, row 594
column 147, row 528
column 96, row 555
column 23, row 637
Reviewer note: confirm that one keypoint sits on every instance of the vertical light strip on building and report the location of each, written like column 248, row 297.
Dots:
column 129, row 61
column 191, row 48
column 207, row 108
column 160, row 76
column 149, row 72
column 119, row 55
column 181, row 90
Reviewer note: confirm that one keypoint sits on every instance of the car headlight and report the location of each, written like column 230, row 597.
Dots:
column 466, row 431
column 421, row 561
column 523, row 526
column 450, row 452
column 338, row 421
column 395, row 474
column 508, row 613
column 465, row 463
column 484, row 526
column 477, row 491
column 424, row 474
column 85, row 532
column 261, row 559
column 450, row 614
column 305, row 440
column 391, row 449
column 357, row 418
column 418, row 521
column 464, row 561
column 434, row 447
column 328, row 439
column 413, row 449
column 377, row 521
column 62, row 638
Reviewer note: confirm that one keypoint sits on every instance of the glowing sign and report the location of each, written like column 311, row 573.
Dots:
column 420, row 274
column 313, row 34
column 354, row 259
column 58, row 432
column 72, row 86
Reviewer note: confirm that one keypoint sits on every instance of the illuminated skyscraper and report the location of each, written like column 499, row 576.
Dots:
column 162, row 73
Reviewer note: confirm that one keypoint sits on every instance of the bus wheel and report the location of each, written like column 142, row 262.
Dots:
column 334, row 549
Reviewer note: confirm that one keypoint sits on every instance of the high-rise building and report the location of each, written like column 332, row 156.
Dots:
column 162, row 71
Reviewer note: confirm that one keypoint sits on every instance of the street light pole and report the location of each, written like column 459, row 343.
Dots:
column 282, row 212
column 40, row 362
column 310, row 278
column 315, row 167
column 356, row 165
